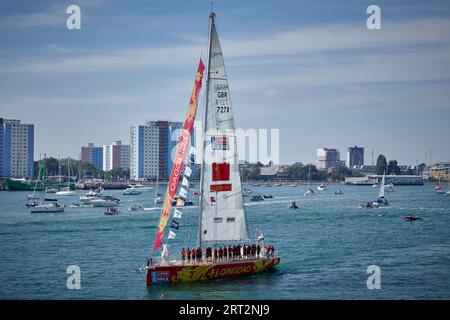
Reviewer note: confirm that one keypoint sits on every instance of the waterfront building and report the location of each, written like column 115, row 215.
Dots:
column 355, row 156
column 151, row 147
column 116, row 155
column 397, row 180
column 16, row 148
column 92, row 155
column 328, row 158
column 440, row 170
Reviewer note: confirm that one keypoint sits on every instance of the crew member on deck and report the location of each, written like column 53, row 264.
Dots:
column 220, row 253
column 183, row 254
column 188, row 253
column 215, row 254
column 225, row 253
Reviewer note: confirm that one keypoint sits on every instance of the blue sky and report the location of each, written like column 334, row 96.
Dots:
column 309, row 68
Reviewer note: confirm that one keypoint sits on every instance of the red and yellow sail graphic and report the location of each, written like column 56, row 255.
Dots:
column 172, row 186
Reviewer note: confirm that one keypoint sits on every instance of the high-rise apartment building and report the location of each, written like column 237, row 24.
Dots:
column 328, row 158
column 92, row 155
column 16, row 148
column 116, row 155
column 151, row 147
column 355, row 156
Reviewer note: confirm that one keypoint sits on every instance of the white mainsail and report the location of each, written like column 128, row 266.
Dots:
column 222, row 216
column 382, row 185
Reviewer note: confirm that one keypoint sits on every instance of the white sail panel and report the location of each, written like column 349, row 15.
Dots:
column 382, row 186
column 222, row 210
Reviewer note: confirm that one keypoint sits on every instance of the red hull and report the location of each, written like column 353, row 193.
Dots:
column 177, row 272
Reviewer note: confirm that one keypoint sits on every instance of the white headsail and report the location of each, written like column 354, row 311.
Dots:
column 222, row 216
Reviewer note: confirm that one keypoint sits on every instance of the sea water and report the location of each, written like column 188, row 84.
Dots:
column 326, row 247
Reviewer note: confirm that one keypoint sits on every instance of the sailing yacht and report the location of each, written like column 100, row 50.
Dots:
column 66, row 191
column 438, row 189
column 322, row 187
column 43, row 206
column 222, row 217
column 309, row 191
column 382, row 199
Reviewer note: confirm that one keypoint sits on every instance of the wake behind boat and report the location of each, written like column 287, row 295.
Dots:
column 221, row 207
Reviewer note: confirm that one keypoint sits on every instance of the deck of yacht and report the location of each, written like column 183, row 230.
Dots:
column 185, row 263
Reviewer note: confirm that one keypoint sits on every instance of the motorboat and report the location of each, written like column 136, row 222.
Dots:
column 91, row 195
column 293, row 205
column 322, row 187
column 66, row 192
column 309, row 192
column 293, row 185
column 268, row 196
column 132, row 191
column 111, row 211
column 105, row 201
column 277, row 184
column 369, row 205
column 135, row 207
column 439, row 190
column 410, row 217
column 339, row 192
column 74, row 205
column 141, row 187
column 256, row 197
column 51, row 190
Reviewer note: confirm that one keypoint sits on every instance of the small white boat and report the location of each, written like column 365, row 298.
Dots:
column 293, row 185
column 51, row 190
column 309, row 192
column 111, row 211
column 132, row 191
column 159, row 200
column 105, row 201
column 439, row 190
column 374, row 185
column 66, row 192
column 141, row 187
column 322, row 187
column 51, row 207
column 135, row 207
column 257, row 197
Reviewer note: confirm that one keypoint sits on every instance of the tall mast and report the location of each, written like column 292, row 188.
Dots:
column 202, row 171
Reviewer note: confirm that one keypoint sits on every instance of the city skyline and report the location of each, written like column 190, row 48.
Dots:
column 315, row 72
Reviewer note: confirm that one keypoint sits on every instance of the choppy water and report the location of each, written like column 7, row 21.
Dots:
column 325, row 247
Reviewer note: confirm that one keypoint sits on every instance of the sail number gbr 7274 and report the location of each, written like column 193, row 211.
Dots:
column 222, row 102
